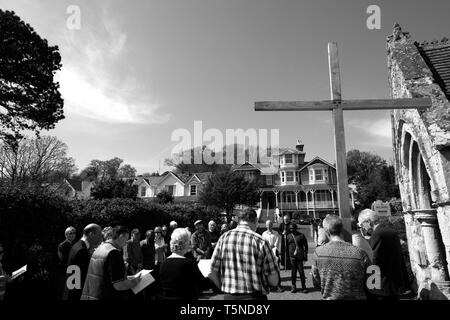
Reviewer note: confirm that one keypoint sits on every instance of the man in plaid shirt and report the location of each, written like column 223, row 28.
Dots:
column 243, row 265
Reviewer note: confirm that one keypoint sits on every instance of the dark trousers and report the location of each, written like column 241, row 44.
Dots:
column 297, row 264
column 250, row 296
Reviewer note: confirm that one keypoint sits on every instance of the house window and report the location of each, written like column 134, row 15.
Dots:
column 290, row 176
column 269, row 180
column 297, row 175
column 143, row 191
column 319, row 175
column 282, row 176
column 288, row 158
column 170, row 189
column 193, row 190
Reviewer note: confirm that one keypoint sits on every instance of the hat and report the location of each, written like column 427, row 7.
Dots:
column 198, row 222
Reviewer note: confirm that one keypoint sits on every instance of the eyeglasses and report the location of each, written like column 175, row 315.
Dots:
column 157, row 231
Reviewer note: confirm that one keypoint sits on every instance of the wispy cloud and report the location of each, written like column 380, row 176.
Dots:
column 380, row 128
column 91, row 87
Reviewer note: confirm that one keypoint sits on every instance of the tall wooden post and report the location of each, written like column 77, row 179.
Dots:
column 339, row 137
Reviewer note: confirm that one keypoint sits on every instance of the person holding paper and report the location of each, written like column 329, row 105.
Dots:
column 106, row 278
column 180, row 277
column 4, row 278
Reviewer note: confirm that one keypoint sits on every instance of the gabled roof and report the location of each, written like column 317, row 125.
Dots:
column 264, row 169
column 75, row 184
column 437, row 56
column 247, row 166
column 170, row 173
column 315, row 160
column 200, row 176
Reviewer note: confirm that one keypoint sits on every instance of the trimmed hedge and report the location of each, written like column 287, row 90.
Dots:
column 32, row 224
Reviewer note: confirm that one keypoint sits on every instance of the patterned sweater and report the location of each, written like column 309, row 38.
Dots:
column 339, row 270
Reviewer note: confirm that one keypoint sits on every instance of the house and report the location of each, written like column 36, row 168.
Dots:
column 181, row 186
column 79, row 188
column 294, row 185
column 71, row 188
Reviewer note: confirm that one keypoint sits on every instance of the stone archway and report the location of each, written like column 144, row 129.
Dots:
column 424, row 236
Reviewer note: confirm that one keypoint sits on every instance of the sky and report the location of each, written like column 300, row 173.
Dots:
column 136, row 71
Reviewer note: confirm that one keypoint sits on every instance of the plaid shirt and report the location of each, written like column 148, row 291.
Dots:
column 244, row 261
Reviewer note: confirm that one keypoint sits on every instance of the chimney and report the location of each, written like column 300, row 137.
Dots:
column 299, row 146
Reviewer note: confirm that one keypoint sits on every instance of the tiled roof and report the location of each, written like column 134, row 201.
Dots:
column 437, row 56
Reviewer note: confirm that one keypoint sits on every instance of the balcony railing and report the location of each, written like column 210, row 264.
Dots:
column 302, row 205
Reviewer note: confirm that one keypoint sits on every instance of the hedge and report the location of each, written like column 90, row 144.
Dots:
column 32, row 224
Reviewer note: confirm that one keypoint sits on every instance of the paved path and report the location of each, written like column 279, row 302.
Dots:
column 313, row 294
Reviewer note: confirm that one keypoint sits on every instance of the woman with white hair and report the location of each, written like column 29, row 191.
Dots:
column 180, row 277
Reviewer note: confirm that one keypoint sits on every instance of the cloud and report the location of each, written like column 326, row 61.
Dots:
column 380, row 128
column 90, row 83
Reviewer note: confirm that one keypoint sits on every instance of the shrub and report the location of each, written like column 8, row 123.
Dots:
column 32, row 223
column 165, row 197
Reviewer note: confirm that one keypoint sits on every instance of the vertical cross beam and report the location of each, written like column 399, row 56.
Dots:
column 339, row 139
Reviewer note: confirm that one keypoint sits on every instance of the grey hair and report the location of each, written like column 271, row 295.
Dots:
column 368, row 215
column 180, row 241
column 333, row 224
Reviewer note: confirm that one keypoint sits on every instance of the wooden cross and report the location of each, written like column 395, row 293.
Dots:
column 337, row 106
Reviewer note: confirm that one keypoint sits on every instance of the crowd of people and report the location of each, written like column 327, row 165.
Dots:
column 244, row 263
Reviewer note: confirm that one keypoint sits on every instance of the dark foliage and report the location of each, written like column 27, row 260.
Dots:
column 28, row 94
column 164, row 197
column 225, row 190
column 115, row 189
column 32, row 224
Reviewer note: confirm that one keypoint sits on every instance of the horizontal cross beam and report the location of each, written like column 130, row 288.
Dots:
column 373, row 104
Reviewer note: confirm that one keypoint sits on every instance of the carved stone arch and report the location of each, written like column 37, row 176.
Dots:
column 419, row 181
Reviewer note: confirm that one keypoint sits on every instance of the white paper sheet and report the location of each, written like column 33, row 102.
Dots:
column 19, row 272
column 146, row 280
column 205, row 267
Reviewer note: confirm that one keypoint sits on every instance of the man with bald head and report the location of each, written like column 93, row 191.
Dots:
column 80, row 255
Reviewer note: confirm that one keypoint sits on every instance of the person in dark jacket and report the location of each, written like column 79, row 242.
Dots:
column 387, row 254
column 79, row 255
column 284, row 230
column 63, row 255
column 180, row 277
column 65, row 246
column 148, row 250
column 298, row 253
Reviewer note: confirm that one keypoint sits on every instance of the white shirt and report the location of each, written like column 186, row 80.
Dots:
column 273, row 238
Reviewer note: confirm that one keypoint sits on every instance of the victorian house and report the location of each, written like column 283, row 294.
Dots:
column 291, row 184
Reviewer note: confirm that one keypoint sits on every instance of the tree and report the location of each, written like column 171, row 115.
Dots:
column 127, row 171
column 373, row 177
column 165, row 197
column 115, row 189
column 227, row 189
column 195, row 153
column 36, row 161
column 29, row 97
column 106, row 170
